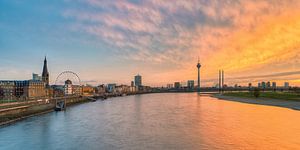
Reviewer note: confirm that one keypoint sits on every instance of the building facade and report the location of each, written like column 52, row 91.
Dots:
column 7, row 90
column 22, row 90
column 138, row 80
column 190, row 84
column 177, row 85
column 68, row 88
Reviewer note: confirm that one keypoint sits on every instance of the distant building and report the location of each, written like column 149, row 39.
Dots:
column 100, row 89
column 250, row 85
column 68, row 87
column 169, row 86
column 88, row 89
column 190, row 84
column 7, row 90
column 268, row 84
column 111, row 88
column 77, row 90
column 236, row 86
column 177, row 85
column 121, row 89
column 259, row 85
column 286, row 84
column 263, row 85
column 138, row 80
column 274, row 85
column 36, row 77
column 183, row 84
column 132, row 83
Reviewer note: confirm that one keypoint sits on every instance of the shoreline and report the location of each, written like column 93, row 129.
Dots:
column 48, row 110
column 294, row 105
column 37, row 110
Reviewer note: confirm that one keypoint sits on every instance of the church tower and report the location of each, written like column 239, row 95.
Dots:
column 45, row 74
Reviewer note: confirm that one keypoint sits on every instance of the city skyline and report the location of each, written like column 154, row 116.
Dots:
column 110, row 42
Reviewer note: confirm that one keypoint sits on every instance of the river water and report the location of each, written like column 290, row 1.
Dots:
column 158, row 121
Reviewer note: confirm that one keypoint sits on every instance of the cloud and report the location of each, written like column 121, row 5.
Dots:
column 243, row 37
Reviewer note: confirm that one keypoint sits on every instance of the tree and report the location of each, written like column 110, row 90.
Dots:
column 256, row 92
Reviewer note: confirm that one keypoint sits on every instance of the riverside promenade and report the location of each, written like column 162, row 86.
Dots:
column 14, row 111
column 11, row 112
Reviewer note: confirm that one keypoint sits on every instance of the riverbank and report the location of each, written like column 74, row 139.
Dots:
column 24, row 110
column 13, row 112
column 291, row 104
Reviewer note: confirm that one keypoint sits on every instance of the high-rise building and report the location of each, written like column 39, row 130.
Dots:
column 132, row 83
column 45, row 74
column 259, row 85
column 286, row 84
column 190, row 84
column 273, row 84
column 138, row 80
column 263, row 85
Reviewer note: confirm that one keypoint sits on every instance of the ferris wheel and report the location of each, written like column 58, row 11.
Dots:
column 67, row 75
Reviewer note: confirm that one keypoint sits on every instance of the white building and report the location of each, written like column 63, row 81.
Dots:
column 68, row 87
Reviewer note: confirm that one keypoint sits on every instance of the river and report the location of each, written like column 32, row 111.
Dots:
column 158, row 121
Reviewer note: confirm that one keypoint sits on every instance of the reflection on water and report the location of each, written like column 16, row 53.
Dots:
column 158, row 121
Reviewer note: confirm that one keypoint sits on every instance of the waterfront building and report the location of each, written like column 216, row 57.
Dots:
column 190, row 84
column 68, row 88
column 263, row 85
column 45, row 73
column 183, row 84
column 274, row 85
column 169, row 86
column 122, row 89
column 100, row 89
column 111, row 88
column 177, row 85
column 7, row 90
column 138, row 80
column 58, row 90
column 286, row 84
column 133, row 89
column 88, row 89
column 30, row 89
column 77, row 90
column 268, row 84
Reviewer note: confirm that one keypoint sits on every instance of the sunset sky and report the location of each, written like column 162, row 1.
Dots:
column 110, row 41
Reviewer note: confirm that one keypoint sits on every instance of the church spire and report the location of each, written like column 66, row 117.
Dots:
column 45, row 74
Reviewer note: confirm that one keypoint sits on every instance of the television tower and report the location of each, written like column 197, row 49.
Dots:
column 198, row 66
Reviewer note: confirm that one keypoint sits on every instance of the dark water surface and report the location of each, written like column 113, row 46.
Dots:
column 158, row 121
